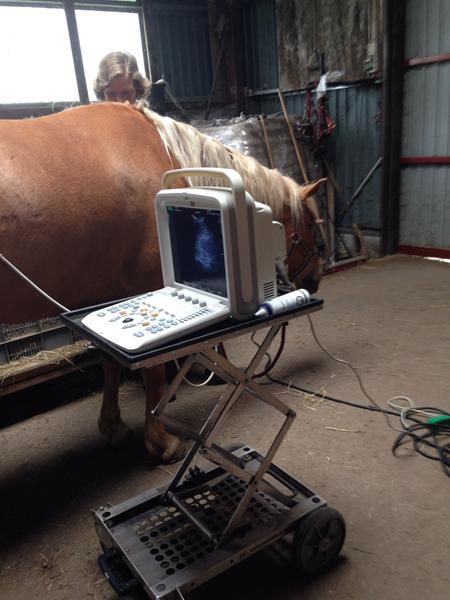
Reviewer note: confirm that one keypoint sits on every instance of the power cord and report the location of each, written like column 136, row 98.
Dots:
column 427, row 428
column 191, row 383
column 270, row 363
column 430, row 438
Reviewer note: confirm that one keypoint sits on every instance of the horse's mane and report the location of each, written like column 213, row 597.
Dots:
column 190, row 148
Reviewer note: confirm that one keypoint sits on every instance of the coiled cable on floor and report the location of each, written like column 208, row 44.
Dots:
column 430, row 438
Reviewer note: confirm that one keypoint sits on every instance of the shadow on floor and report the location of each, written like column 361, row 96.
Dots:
column 34, row 496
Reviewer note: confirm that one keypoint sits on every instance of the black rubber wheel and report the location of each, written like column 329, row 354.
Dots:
column 318, row 540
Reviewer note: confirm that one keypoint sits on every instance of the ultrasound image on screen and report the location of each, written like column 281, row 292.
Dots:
column 197, row 248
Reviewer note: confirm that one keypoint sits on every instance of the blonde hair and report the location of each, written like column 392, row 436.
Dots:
column 119, row 63
column 190, row 148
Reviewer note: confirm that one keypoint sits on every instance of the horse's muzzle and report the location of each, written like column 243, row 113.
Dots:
column 311, row 283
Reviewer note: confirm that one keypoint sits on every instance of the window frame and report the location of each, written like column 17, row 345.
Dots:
column 35, row 109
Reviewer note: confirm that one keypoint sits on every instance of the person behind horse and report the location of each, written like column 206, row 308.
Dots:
column 119, row 79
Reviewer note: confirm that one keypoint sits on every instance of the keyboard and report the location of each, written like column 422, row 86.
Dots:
column 154, row 318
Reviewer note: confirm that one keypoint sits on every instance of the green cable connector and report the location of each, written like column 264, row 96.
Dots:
column 438, row 419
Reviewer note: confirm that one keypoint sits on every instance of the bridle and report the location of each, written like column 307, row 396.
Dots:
column 295, row 240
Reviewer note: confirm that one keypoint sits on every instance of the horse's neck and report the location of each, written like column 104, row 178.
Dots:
column 191, row 148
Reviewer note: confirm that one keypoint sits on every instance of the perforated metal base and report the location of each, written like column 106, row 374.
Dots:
column 166, row 552
column 172, row 540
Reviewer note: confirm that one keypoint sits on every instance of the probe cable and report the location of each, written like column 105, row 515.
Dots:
column 270, row 363
column 33, row 285
column 65, row 309
column 432, row 435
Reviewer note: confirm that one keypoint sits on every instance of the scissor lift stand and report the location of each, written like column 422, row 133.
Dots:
column 171, row 539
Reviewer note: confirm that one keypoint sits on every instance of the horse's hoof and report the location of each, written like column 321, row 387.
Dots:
column 169, row 455
column 174, row 458
column 117, row 434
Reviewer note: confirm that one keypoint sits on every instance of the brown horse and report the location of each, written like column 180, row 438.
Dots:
column 76, row 217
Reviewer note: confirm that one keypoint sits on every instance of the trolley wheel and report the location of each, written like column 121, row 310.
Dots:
column 318, row 540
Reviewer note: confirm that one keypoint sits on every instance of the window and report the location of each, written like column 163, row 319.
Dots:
column 35, row 56
column 101, row 32
column 36, row 59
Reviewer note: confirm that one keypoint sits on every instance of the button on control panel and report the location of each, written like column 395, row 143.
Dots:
column 152, row 319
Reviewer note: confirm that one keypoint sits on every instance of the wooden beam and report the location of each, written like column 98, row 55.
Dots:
column 425, row 160
column 300, row 161
column 266, row 141
column 346, row 263
column 419, row 251
column 426, row 60
column 32, row 377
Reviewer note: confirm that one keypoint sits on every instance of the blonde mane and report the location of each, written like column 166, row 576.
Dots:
column 190, row 148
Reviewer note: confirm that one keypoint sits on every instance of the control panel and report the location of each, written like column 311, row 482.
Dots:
column 154, row 318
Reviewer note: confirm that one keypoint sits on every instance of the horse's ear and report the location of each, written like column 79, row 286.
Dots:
column 307, row 190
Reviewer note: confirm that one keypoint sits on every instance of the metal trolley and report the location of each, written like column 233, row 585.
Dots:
column 171, row 539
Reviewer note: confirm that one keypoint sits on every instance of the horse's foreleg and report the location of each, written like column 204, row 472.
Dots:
column 110, row 423
column 159, row 442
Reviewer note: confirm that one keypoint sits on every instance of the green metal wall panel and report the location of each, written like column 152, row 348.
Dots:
column 180, row 47
column 260, row 44
column 353, row 147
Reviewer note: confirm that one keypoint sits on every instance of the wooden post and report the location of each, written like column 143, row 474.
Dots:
column 300, row 161
column 330, row 220
column 266, row 141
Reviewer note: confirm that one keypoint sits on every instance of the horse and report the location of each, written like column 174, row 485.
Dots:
column 77, row 218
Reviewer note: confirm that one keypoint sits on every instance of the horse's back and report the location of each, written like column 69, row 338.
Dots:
column 76, row 215
column 79, row 145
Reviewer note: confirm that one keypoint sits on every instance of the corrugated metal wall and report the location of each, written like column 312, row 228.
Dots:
column 427, row 27
column 353, row 147
column 425, row 189
column 260, row 44
column 181, row 44
column 425, row 207
column 426, row 110
column 180, row 47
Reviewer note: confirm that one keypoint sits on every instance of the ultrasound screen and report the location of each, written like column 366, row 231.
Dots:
column 197, row 248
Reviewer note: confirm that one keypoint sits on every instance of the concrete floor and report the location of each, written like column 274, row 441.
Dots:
column 391, row 319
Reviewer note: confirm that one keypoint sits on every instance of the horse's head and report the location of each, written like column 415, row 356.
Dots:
column 304, row 261
column 190, row 147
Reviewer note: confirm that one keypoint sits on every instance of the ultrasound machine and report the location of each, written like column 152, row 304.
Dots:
column 219, row 249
